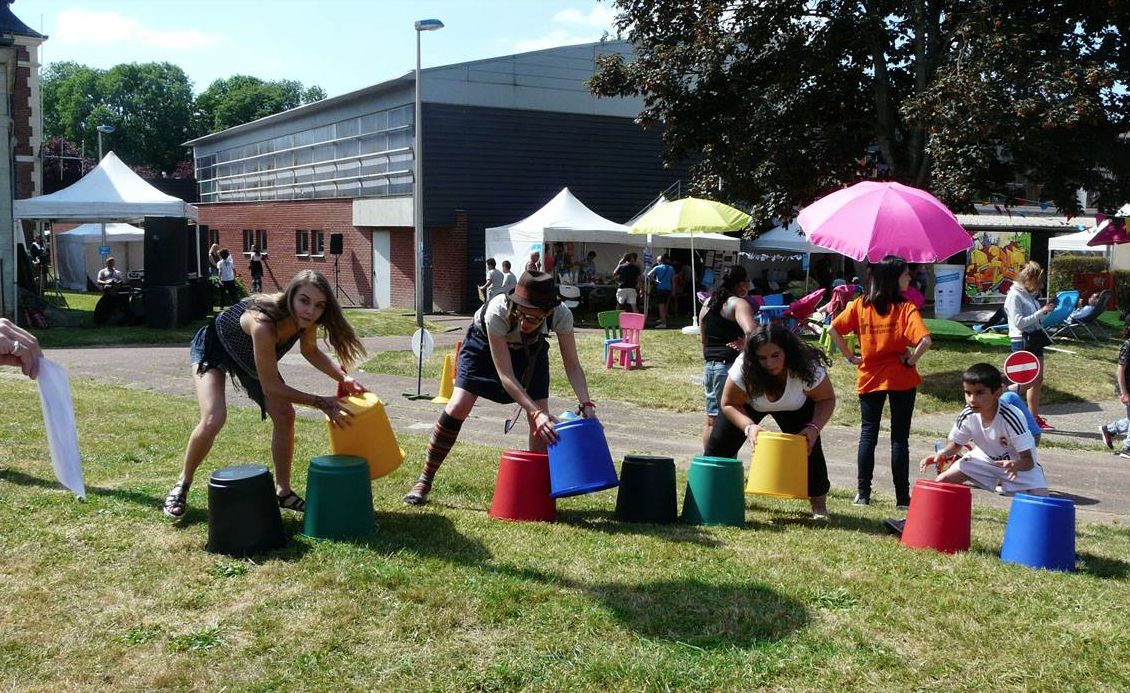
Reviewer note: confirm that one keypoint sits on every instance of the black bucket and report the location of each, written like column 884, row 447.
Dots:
column 243, row 513
column 647, row 490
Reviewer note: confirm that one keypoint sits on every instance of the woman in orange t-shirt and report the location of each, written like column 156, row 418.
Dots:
column 892, row 337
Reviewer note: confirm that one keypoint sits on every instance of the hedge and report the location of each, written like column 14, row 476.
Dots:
column 1065, row 267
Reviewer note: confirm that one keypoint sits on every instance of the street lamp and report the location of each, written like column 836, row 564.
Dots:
column 103, row 129
column 417, row 178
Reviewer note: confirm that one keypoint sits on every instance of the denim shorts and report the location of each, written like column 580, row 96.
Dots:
column 1018, row 345
column 714, row 381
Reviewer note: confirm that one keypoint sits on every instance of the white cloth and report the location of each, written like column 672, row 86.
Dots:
column 626, row 296
column 109, row 275
column 497, row 318
column 227, row 270
column 59, row 420
column 1005, row 437
column 791, row 399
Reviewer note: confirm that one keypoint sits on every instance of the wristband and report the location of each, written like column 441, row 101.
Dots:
column 588, row 404
column 848, row 359
column 812, row 424
column 745, row 431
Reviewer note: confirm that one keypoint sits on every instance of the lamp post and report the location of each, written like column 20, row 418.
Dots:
column 417, row 178
column 103, row 129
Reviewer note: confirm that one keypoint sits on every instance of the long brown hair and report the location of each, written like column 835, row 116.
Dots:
column 801, row 359
column 883, row 292
column 338, row 332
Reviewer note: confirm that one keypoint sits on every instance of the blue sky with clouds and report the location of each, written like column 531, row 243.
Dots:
column 340, row 45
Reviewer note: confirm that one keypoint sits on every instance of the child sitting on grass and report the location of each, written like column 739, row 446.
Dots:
column 1003, row 451
column 1122, row 426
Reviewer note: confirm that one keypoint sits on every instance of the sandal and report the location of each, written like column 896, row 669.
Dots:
column 176, row 503
column 419, row 493
column 292, row 501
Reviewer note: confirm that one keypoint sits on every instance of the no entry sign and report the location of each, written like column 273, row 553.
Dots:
column 1022, row 367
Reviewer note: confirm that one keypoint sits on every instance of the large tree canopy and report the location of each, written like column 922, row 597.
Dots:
column 786, row 100
column 152, row 107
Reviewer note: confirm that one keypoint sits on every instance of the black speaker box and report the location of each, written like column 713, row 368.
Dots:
column 166, row 251
column 200, row 297
column 336, row 245
column 167, row 306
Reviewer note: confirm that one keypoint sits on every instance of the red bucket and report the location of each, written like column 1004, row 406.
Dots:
column 521, row 492
column 939, row 517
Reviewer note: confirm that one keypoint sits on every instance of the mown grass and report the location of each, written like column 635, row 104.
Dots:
column 672, row 361
column 367, row 323
column 106, row 595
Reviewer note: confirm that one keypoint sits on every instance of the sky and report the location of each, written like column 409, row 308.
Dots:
column 340, row 45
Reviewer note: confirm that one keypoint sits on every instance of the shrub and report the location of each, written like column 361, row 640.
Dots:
column 1065, row 267
column 1122, row 289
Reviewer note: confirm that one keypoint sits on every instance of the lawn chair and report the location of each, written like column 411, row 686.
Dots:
column 800, row 310
column 610, row 321
column 1089, row 324
column 1065, row 303
column 631, row 327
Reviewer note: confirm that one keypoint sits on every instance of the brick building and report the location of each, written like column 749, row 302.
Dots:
column 500, row 137
column 20, row 115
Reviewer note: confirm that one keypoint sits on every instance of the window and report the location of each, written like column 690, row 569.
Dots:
column 301, row 242
column 215, row 234
column 261, row 238
column 317, row 242
column 248, row 240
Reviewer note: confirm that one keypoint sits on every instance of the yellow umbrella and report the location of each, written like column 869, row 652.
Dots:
column 691, row 215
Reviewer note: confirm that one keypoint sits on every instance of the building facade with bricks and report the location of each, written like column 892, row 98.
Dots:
column 20, row 115
column 501, row 137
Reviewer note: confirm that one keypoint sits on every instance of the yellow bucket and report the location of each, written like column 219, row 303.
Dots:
column 780, row 466
column 370, row 436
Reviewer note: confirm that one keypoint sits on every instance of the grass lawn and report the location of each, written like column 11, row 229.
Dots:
column 672, row 360
column 106, row 595
column 367, row 323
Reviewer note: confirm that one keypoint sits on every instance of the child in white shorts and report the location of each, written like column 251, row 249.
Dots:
column 1003, row 453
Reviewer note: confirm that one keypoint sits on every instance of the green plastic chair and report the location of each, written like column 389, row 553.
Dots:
column 610, row 321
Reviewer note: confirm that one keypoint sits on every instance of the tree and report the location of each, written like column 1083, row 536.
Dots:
column 242, row 99
column 70, row 92
column 787, row 100
column 63, row 164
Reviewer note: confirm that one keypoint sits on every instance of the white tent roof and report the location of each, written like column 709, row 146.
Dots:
column 1075, row 241
column 110, row 192
column 92, row 233
column 564, row 218
column 787, row 239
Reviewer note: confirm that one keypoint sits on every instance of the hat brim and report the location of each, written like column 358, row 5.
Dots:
column 527, row 303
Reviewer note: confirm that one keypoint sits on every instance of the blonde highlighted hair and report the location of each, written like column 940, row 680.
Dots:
column 338, row 332
column 1030, row 273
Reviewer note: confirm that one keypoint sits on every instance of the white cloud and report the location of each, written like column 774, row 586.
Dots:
column 552, row 40
column 600, row 17
column 83, row 27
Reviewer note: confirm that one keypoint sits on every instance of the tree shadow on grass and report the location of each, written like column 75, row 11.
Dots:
column 606, row 523
column 423, row 536
column 692, row 612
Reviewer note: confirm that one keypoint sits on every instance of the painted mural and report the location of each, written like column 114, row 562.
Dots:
column 993, row 261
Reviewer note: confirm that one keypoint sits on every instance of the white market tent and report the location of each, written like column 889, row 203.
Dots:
column 785, row 239
column 109, row 192
column 568, row 220
column 76, row 252
column 1076, row 242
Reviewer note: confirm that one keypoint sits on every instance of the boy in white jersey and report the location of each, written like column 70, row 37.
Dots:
column 1003, row 451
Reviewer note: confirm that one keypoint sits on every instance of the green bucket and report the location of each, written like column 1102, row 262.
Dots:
column 339, row 499
column 714, row 492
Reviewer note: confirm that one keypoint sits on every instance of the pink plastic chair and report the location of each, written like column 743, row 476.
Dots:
column 800, row 309
column 631, row 325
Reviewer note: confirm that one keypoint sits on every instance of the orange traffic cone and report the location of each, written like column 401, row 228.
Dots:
column 446, row 381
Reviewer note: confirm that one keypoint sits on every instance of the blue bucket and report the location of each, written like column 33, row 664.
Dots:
column 1040, row 533
column 579, row 462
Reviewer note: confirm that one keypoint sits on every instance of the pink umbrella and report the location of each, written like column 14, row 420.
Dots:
column 872, row 219
column 1112, row 231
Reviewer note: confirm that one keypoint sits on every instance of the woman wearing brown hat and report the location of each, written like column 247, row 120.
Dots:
column 505, row 358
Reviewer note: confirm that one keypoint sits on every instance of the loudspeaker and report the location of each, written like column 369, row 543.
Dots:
column 335, row 244
column 167, row 306
column 166, row 251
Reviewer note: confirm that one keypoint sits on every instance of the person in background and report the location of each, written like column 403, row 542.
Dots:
column 1025, row 331
column 214, row 260
column 110, row 278
column 509, row 281
column 226, row 267
column 1085, row 309
column 505, row 358
column 19, row 348
column 663, row 274
column 1122, row 426
column 534, row 263
column 892, row 338
column 779, row 375
column 246, row 343
column 256, row 269
column 628, row 281
column 587, row 274
column 493, row 284
column 725, row 321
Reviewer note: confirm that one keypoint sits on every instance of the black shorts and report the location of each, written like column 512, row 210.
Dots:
column 662, row 294
column 478, row 375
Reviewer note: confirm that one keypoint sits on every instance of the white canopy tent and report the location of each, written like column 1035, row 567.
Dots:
column 76, row 252
column 1076, row 242
column 568, row 220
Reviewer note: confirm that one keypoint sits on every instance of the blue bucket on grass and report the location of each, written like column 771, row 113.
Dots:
column 1040, row 533
column 580, row 462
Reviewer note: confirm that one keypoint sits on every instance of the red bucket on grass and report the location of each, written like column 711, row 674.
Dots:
column 521, row 492
column 939, row 517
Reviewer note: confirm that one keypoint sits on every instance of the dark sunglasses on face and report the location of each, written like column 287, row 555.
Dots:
column 527, row 318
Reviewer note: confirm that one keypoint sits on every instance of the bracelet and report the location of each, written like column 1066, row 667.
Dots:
column 848, row 359
column 745, row 431
column 811, row 424
column 588, row 404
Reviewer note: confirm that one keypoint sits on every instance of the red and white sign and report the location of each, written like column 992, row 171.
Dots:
column 1022, row 367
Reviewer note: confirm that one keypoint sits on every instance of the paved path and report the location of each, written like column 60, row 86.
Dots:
column 1097, row 480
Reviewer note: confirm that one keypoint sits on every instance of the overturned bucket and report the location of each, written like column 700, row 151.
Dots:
column 521, row 492
column 939, row 517
column 780, row 466
column 580, row 462
column 647, row 490
column 1040, row 533
column 714, row 492
column 369, row 436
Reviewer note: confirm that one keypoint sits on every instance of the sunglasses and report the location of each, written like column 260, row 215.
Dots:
column 527, row 318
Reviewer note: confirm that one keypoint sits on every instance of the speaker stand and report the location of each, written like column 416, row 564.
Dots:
column 338, row 291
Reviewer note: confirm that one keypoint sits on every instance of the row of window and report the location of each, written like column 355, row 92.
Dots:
column 306, row 242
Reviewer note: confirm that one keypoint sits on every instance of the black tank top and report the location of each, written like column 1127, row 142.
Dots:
column 718, row 331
